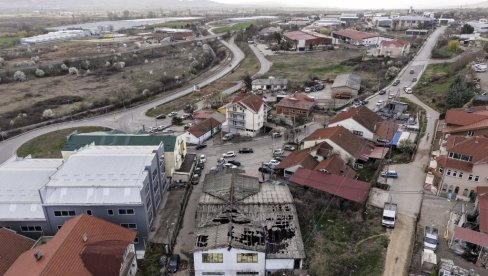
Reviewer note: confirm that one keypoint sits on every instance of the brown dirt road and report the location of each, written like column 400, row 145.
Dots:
column 400, row 247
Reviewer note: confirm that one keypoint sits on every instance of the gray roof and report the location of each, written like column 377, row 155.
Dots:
column 347, row 80
column 414, row 17
column 240, row 204
column 271, row 81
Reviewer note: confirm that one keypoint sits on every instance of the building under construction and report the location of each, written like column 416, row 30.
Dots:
column 244, row 226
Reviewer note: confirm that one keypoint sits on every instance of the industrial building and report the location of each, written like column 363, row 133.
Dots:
column 55, row 37
column 121, row 184
column 245, row 228
column 303, row 41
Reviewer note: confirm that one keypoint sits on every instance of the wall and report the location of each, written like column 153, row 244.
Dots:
column 229, row 264
column 477, row 132
column 344, row 89
column 191, row 139
column 344, row 154
column 352, row 125
column 16, row 226
column 273, row 265
column 463, row 183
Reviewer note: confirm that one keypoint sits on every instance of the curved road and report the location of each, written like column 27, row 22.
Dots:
column 127, row 120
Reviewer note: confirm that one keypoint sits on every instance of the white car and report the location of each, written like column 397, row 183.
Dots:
column 229, row 154
column 229, row 165
column 273, row 162
column 203, row 158
column 379, row 103
column 172, row 114
column 408, row 90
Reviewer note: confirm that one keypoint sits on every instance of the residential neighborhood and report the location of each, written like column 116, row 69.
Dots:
column 274, row 138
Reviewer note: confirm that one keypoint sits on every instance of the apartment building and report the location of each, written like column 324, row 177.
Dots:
column 245, row 115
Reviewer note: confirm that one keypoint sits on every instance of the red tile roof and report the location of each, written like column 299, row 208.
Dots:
column 253, row 102
column 203, row 114
column 337, row 185
column 446, row 162
column 471, row 236
column 335, row 165
column 394, row 42
column 363, row 115
column 483, row 124
column 476, row 146
column 298, row 35
column 61, row 255
column 463, row 117
column 203, row 127
column 354, row 35
column 301, row 157
column 297, row 101
column 482, row 193
column 13, row 245
column 386, row 129
column 104, row 257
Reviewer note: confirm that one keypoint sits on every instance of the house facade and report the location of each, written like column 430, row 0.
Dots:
column 246, row 115
column 462, row 166
column 411, row 22
column 471, row 121
column 201, row 132
column 394, row 48
column 297, row 105
column 235, row 261
column 354, row 37
column 269, row 85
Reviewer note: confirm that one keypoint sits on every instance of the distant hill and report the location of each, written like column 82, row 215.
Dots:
column 483, row 4
column 108, row 4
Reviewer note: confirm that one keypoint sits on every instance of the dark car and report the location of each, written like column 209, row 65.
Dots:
column 246, row 150
column 162, row 116
column 279, row 158
column 382, row 92
column 201, row 146
column 201, row 165
column 195, row 179
column 395, row 83
column 197, row 170
column 234, row 162
column 174, row 263
column 266, row 170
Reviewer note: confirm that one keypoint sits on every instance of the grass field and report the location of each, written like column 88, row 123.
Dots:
column 49, row 145
column 8, row 41
column 250, row 65
column 233, row 27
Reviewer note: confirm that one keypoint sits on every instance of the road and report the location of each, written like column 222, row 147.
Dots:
column 127, row 120
column 407, row 190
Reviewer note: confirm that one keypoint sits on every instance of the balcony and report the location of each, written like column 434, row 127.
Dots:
column 239, row 118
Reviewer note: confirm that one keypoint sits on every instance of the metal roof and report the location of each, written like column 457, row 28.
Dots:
column 349, row 80
column 20, row 180
column 77, row 141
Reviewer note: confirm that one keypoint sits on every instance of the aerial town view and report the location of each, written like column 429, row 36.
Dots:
column 244, row 137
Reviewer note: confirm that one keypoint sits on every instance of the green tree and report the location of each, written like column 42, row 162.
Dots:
column 453, row 45
column 176, row 121
column 247, row 81
column 467, row 29
column 459, row 94
column 277, row 36
column 406, row 146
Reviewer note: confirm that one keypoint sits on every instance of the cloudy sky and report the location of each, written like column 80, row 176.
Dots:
column 361, row 4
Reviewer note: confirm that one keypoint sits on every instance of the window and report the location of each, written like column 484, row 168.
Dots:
column 213, row 273
column 357, row 132
column 31, row 228
column 247, row 257
column 59, row 226
column 454, row 173
column 476, row 178
column 460, row 175
column 110, row 212
column 470, row 177
column 136, row 240
column 64, row 213
column 441, row 170
column 89, row 212
column 465, row 192
column 212, row 257
column 126, row 211
column 448, row 172
column 470, row 133
column 154, row 174
column 129, row 225
column 156, row 186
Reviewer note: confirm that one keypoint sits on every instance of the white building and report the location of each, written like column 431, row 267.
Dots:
column 233, row 236
column 246, row 115
column 269, row 85
column 201, row 132
column 56, row 36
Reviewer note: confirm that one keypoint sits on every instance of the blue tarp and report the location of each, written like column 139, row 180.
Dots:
column 395, row 139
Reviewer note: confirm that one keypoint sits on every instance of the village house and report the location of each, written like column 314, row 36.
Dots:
column 298, row 104
column 471, row 121
column 303, row 41
column 354, row 37
column 394, row 48
column 346, row 86
column 13, row 245
column 463, row 167
column 201, row 132
column 363, row 122
column 246, row 115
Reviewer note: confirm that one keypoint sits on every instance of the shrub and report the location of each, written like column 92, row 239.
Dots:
column 39, row 73
column 48, row 113
column 73, row 71
column 2, row 61
column 64, row 67
column 19, row 76
column 35, row 59
column 119, row 65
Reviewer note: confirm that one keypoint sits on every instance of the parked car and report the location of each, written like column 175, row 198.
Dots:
column 265, row 169
column 278, row 152
column 389, row 174
column 200, row 146
column 221, row 161
column 364, row 102
column 396, row 82
column 234, row 162
column 172, row 114
column 174, row 263
column 185, row 116
column 289, row 147
column 307, row 89
column 195, row 179
column 230, row 166
column 197, row 170
column 382, row 92
column 162, row 116
column 203, row 158
column 412, row 71
column 391, row 96
column 229, row 154
column 201, row 165
column 228, row 137
column 168, row 130
column 279, row 158
column 276, row 135
column 246, row 150
column 273, row 162
column 414, row 79
column 408, row 90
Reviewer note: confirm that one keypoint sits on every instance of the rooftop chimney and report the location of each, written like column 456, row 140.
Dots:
column 37, row 255
column 85, row 237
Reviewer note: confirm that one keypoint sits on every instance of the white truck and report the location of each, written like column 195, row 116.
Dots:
column 389, row 214
column 431, row 238
column 429, row 262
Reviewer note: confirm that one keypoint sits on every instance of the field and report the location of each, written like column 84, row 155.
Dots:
column 249, row 65
column 233, row 27
column 340, row 239
column 49, row 145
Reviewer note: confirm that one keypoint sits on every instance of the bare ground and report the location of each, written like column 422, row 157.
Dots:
column 400, row 246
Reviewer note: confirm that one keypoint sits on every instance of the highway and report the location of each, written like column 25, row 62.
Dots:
column 127, row 120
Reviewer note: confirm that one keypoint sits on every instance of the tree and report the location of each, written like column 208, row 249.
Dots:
column 459, row 94
column 277, row 36
column 406, row 146
column 325, row 31
column 467, row 29
column 177, row 121
column 392, row 72
column 453, row 45
column 247, row 81
column 19, row 76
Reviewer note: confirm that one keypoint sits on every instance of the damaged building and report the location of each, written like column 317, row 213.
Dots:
column 245, row 227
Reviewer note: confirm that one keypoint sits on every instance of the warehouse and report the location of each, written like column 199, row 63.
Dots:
column 302, row 41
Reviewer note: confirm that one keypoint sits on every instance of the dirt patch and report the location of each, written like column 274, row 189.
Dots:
column 400, row 247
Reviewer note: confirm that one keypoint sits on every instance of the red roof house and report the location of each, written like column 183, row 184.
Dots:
column 12, row 246
column 298, row 104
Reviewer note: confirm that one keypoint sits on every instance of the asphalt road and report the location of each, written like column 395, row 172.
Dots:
column 128, row 120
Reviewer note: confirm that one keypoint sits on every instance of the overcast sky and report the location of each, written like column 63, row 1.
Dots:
column 362, row 4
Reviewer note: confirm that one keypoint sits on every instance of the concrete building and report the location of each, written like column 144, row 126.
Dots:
column 354, row 37
column 56, row 37
column 174, row 146
column 303, row 41
column 176, row 34
column 121, row 184
column 462, row 166
column 394, row 48
column 412, row 22
column 346, row 85
column 245, row 115
column 85, row 245
column 269, row 85
column 241, row 225
column 296, row 105
column 201, row 132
